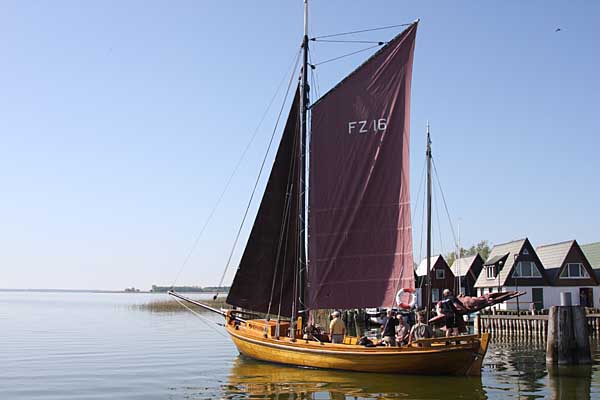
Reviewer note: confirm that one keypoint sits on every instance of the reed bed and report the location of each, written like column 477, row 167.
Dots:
column 169, row 306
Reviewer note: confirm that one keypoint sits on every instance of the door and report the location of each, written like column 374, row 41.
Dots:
column 586, row 297
column 537, row 297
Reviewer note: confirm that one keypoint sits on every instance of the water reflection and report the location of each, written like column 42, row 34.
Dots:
column 254, row 379
column 518, row 369
column 570, row 382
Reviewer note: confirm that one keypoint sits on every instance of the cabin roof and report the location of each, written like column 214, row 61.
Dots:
column 592, row 253
column 461, row 266
column 422, row 268
column 499, row 252
column 553, row 255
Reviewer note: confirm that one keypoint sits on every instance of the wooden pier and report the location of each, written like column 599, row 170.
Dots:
column 524, row 326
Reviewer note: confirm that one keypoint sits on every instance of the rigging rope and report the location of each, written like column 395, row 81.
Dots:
column 421, row 181
column 285, row 244
column 262, row 165
column 379, row 42
column 439, row 225
column 283, row 231
column 444, row 200
column 206, row 321
column 314, row 79
column 361, row 31
column 235, row 169
column 416, row 208
column 345, row 55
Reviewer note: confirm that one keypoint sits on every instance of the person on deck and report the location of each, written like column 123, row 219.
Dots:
column 420, row 330
column 337, row 329
column 451, row 307
column 389, row 329
column 402, row 331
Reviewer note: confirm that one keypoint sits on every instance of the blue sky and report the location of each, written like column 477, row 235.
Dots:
column 121, row 121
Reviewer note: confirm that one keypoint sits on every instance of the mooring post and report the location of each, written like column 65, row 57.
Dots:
column 568, row 340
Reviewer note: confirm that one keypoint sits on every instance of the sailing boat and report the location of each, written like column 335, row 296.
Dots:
column 359, row 228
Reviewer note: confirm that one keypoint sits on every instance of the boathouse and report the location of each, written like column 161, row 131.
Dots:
column 514, row 266
column 441, row 278
column 466, row 270
column 569, row 270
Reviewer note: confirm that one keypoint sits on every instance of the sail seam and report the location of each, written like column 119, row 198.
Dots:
column 359, row 281
column 362, row 206
column 338, row 257
column 400, row 228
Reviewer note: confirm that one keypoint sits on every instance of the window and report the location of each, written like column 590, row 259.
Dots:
column 435, row 295
column 574, row 270
column 525, row 252
column 490, row 271
column 440, row 274
column 526, row 269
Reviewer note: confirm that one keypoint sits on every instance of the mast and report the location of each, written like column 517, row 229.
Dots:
column 305, row 101
column 428, row 281
column 301, row 265
column 458, row 257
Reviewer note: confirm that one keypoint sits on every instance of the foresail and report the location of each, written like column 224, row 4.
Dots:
column 360, row 239
column 266, row 271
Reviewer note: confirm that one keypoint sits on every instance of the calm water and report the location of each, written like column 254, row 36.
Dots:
column 96, row 346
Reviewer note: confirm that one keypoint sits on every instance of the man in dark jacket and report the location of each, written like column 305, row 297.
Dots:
column 452, row 309
column 389, row 329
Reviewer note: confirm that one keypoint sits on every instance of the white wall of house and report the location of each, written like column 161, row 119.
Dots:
column 551, row 296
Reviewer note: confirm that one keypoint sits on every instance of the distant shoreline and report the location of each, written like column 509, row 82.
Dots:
column 89, row 291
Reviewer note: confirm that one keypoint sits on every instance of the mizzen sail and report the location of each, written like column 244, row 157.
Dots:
column 265, row 275
column 360, row 239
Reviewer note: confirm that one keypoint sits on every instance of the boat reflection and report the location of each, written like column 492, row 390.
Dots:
column 255, row 379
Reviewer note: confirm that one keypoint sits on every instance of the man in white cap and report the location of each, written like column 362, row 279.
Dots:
column 337, row 329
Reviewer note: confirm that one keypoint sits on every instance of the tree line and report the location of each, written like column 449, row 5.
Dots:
column 483, row 248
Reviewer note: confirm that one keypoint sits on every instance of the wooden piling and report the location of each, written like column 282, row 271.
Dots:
column 568, row 339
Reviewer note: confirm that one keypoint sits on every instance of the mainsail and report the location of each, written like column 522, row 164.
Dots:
column 266, row 272
column 360, row 239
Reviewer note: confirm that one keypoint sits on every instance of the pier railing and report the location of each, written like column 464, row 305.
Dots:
column 525, row 327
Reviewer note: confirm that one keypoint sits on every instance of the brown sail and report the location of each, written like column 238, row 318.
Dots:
column 360, row 245
column 266, row 271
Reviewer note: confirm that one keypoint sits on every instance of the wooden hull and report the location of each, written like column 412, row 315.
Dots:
column 462, row 356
